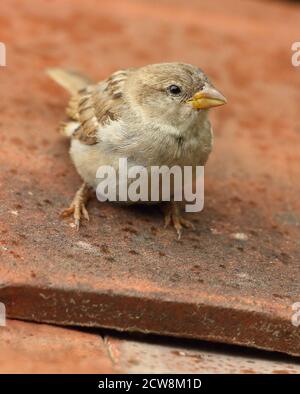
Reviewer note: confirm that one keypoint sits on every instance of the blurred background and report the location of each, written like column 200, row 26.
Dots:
column 252, row 177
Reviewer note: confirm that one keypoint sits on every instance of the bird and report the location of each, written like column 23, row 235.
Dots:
column 153, row 115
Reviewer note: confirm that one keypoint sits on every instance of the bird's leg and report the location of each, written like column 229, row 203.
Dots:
column 77, row 207
column 173, row 216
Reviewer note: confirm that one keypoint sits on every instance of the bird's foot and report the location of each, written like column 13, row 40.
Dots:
column 172, row 215
column 77, row 207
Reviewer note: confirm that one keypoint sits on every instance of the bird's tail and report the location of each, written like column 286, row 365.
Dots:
column 72, row 81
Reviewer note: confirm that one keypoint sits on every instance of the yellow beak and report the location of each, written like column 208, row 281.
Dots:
column 207, row 98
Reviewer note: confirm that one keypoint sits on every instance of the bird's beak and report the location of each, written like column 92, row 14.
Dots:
column 207, row 98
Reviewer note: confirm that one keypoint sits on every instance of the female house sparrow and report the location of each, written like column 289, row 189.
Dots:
column 154, row 115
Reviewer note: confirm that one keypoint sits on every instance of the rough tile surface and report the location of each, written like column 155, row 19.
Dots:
column 236, row 277
column 133, row 355
column 40, row 348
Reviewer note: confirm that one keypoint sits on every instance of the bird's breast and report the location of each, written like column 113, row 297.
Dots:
column 147, row 150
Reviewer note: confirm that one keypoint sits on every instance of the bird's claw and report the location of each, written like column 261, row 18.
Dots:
column 173, row 216
column 78, row 210
column 77, row 207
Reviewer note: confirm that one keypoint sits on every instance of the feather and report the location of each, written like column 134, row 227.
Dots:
column 72, row 81
column 93, row 107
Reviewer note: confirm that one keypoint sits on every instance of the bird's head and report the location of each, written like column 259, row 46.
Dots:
column 172, row 92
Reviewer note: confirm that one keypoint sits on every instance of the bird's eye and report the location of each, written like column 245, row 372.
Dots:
column 174, row 89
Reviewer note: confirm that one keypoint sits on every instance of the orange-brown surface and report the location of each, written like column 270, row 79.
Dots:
column 124, row 270
column 39, row 348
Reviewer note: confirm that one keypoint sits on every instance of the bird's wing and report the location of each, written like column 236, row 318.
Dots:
column 96, row 105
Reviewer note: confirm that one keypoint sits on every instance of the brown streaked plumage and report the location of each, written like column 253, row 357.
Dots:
column 153, row 115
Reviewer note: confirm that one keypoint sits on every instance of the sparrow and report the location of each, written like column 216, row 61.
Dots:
column 153, row 115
